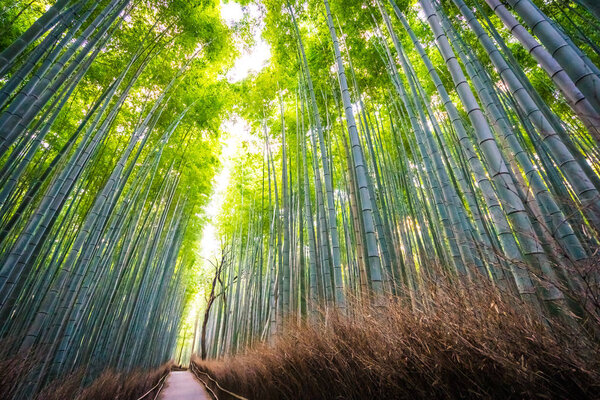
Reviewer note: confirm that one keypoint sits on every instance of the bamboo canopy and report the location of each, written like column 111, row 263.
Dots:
column 392, row 144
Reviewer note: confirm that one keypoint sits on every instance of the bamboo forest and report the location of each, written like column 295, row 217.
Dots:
column 284, row 199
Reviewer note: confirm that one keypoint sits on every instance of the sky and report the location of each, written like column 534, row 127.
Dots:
column 255, row 58
column 236, row 131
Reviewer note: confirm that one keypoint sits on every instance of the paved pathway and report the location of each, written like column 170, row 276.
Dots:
column 182, row 385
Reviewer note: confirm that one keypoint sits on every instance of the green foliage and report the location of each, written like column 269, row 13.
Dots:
column 405, row 156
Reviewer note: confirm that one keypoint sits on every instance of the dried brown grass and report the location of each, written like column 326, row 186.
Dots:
column 110, row 385
column 13, row 368
column 124, row 386
column 467, row 344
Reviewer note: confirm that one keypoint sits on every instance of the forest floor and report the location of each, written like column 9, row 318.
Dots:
column 182, row 385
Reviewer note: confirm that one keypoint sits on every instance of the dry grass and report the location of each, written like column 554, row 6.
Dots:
column 470, row 344
column 119, row 386
column 13, row 368
column 108, row 386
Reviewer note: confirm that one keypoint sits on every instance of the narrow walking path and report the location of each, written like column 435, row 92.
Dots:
column 182, row 385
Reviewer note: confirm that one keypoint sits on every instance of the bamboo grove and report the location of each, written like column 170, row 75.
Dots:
column 408, row 141
column 104, row 162
column 394, row 144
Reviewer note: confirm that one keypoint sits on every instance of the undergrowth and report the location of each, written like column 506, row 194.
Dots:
column 468, row 343
column 110, row 385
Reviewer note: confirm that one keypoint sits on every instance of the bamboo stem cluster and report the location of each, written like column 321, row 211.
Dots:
column 91, row 273
column 476, row 180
